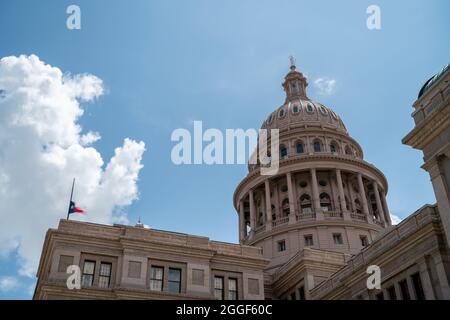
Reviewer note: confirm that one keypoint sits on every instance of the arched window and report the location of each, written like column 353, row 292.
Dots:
column 295, row 109
column 317, row 146
column 285, row 207
column 281, row 113
column 357, row 206
column 325, row 202
column 305, row 204
column 309, row 108
column 283, row 152
column 300, row 148
column 333, row 147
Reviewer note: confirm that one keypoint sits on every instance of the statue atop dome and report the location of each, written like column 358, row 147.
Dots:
column 294, row 83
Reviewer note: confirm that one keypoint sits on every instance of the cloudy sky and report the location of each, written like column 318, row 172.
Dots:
column 100, row 104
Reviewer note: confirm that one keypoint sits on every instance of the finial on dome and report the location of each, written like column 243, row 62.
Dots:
column 294, row 83
column 292, row 60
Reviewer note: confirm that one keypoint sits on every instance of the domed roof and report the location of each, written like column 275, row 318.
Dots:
column 298, row 110
column 304, row 113
column 432, row 80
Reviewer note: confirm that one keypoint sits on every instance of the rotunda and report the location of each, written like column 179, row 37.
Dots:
column 324, row 196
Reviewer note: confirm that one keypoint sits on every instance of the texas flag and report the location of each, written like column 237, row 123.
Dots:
column 75, row 209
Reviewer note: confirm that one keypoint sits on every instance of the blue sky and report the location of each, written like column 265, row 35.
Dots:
column 167, row 63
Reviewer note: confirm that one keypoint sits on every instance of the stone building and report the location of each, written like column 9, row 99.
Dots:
column 308, row 232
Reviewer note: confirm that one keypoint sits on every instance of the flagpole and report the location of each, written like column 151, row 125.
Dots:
column 70, row 202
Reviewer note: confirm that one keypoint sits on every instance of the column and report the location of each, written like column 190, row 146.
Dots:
column 252, row 210
column 362, row 194
column 292, row 218
column 242, row 231
column 378, row 201
column 426, row 280
column 315, row 195
column 268, row 206
column 342, row 202
column 441, row 192
column 442, row 276
column 385, row 207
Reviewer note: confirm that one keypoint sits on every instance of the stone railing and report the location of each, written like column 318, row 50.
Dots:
column 358, row 217
column 414, row 222
column 332, row 214
column 280, row 221
column 306, row 216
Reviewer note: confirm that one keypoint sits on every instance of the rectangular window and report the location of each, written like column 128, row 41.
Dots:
column 337, row 238
column 364, row 241
column 156, row 278
column 281, row 245
column 309, row 240
column 232, row 289
column 218, row 288
column 87, row 279
column 174, row 280
column 301, row 293
column 391, row 293
column 418, row 289
column 404, row 289
column 105, row 275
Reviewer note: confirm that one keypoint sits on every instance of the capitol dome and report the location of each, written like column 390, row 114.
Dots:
column 324, row 195
column 299, row 111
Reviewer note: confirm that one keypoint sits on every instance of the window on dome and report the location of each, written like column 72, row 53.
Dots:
column 337, row 238
column 333, row 147
column 317, row 147
column 285, row 206
column 323, row 110
column 300, row 148
column 310, row 108
column 281, row 245
column 295, row 109
column 305, row 204
column 325, row 202
column 281, row 113
column 333, row 114
column 269, row 119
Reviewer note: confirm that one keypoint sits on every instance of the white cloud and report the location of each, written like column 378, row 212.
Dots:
column 42, row 148
column 8, row 284
column 395, row 219
column 325, row 86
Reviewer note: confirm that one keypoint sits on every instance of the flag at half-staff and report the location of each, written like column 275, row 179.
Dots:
column 72, row 207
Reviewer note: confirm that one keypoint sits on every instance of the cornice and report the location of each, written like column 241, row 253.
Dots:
column 423, row 133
